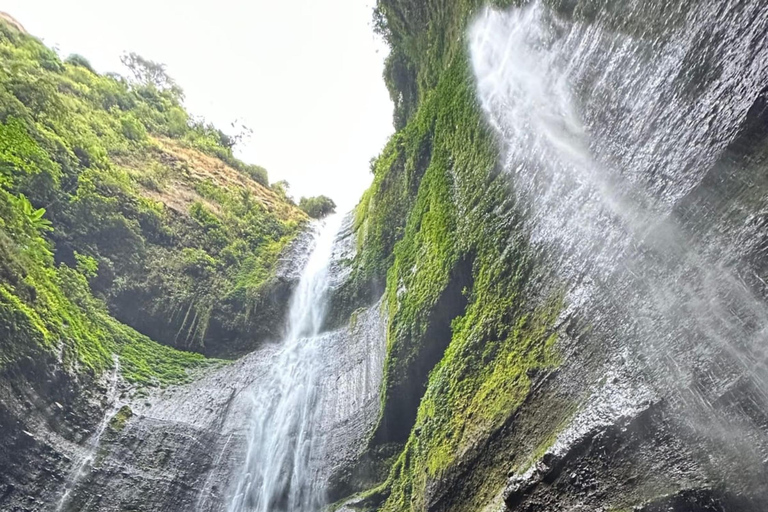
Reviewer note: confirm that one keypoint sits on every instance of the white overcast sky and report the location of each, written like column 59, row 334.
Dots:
column 305, row 75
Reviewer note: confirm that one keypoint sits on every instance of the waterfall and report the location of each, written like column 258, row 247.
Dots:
column 278, row 474
column 611, row 137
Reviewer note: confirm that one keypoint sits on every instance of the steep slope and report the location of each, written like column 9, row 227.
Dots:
column 540, row 355
column 184, row 237
column 125, row 227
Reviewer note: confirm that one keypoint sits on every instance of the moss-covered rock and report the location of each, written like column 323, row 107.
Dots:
column 480, row 335
column 118, row 421
column 470, row 323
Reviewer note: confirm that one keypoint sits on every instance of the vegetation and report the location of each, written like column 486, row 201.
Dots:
column 118, row 421
column 115, row 204
column 45, row 308
column 470, row 322
column 317, row 207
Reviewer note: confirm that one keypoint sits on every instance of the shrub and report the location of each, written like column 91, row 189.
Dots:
column 132, row 128
column 257, row 174
column 281, row 189
column 80, row 61
column 317, row 207
column 177, row 121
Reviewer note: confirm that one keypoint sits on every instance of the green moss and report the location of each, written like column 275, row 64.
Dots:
column 118, row 421
column 440, row 221
column 472, row 392
column 50, row 309
column 482, row 380
column 146, row 362
column 23, row 332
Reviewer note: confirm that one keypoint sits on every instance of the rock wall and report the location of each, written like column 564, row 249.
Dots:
column 592, row 174
column 180, row 448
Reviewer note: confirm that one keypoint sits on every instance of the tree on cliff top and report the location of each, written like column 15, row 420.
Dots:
column 317, row 207
column 150, row 74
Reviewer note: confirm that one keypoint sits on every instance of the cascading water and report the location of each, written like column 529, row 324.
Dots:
column 82, row 466
column 610, row 132
column 282, row 443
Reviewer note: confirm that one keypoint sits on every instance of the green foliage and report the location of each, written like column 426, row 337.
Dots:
column 424, row 40
column 317, row 207
column 86, row 265
column 148, row 363
column 257, row 174
column 221, row 269
column 439, row 215
column 132, row 128
column 79, row 60
column 103, row 217
column 281, row 188
column 20, row 154
column 34, row 215
column 46, row 309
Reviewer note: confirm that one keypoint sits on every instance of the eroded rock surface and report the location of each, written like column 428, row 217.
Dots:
column 184, row 446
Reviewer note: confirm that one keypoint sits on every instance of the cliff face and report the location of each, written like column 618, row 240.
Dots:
column 121, row 219
column 567, row 227
column 552, row 297
column 183, row 447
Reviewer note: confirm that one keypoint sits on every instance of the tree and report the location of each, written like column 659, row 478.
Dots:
column 150, row 74
column 241, row 136
column 317, row 207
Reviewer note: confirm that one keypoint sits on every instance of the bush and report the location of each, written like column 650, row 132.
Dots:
column 317, row 207
column 80, row 61
column 281, row 188
column 132, row 128
column 177, row 121
column 257, row 174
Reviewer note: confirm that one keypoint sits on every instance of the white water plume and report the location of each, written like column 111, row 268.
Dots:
column 603, row 140
column 278, row 475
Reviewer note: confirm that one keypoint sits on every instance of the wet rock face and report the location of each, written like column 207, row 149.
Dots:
column 703, row 501
column 592, row 468
column 639, row 157
column 46, row 414
column 181, row 448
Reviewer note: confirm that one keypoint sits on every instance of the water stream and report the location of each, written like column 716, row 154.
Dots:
column 278, row 474
column 609, row 135
column 83, row 465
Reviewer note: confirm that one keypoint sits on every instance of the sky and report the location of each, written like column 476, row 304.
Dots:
column 304, row 75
